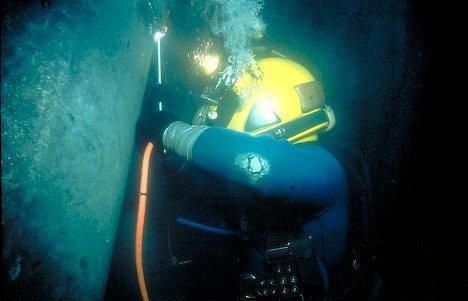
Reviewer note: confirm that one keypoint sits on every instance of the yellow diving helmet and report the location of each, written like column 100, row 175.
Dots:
column 287, row 102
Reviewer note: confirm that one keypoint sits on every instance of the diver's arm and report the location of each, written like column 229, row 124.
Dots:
column 276, row 170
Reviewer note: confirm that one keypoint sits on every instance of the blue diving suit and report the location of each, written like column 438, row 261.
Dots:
column 237, row 197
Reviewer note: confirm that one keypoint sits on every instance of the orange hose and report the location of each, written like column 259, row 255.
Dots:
column 141, row 221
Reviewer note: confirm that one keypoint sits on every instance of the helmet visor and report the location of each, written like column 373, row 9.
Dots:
column 262, row 114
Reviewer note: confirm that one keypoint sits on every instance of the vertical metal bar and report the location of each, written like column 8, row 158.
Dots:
column 159, row 60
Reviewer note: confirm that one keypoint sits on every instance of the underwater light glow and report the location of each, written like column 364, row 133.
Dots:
column 159, row 34
column 210, row 63
column 205, row 56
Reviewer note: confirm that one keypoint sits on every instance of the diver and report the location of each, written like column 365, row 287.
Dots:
column 259, row 210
